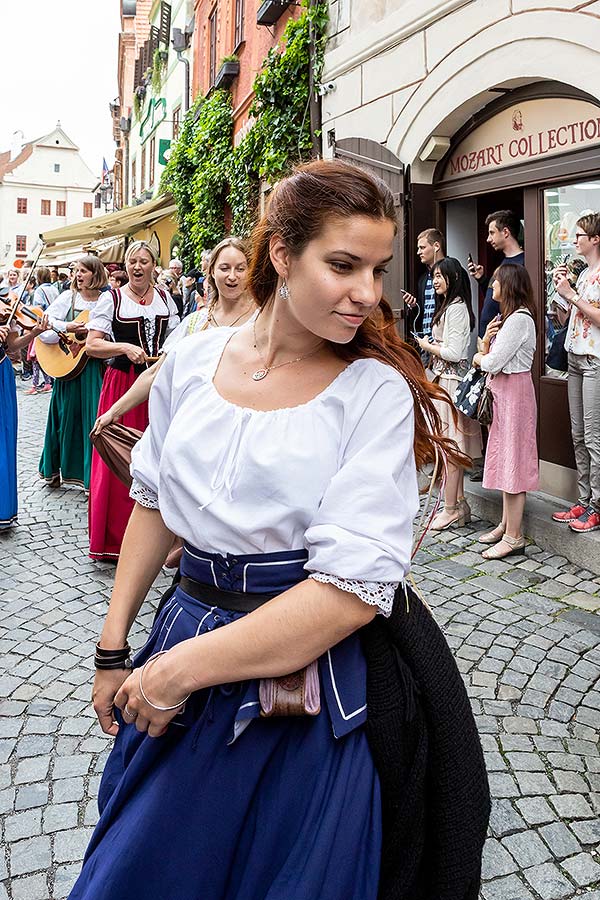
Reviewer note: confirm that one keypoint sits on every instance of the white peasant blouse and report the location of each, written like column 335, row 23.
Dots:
column 335, row 476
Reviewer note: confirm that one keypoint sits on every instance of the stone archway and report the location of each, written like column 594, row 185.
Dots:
column 527, row 47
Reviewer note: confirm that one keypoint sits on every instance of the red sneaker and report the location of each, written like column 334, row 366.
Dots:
column 569, row 515
column 46, row 389
column 589, row 521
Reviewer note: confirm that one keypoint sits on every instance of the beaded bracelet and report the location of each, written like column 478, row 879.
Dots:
column 149, row 702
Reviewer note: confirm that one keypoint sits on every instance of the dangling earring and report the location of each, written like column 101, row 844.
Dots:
column 284, row 291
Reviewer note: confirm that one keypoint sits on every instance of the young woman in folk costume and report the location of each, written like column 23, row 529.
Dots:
column 67, row 447
column 230, row 305
column 10, row 342
column 128, row 328
column 285, row 454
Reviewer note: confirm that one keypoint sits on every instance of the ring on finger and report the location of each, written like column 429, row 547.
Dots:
column 129, row 714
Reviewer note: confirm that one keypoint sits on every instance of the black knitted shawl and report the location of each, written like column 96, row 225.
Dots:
column 425, row 745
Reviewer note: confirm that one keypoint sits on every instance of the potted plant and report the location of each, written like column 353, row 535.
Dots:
column 139, row 95
column 228, row 71
column 159, row 67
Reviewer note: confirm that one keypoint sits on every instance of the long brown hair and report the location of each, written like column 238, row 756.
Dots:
column 516, row 289
column 298, row 209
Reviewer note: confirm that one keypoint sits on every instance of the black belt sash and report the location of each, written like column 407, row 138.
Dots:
column 236, row 601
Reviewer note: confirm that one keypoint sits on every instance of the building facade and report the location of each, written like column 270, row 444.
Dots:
column 45, row 185
column 467, row 107
column 154, row 93
column 230, row 42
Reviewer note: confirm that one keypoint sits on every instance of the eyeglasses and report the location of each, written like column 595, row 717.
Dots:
column 580, row 234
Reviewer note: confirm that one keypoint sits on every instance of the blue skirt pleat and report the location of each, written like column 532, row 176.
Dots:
column 286, row 812
column 8, row 444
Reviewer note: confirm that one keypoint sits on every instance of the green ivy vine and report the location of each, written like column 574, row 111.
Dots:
column 205, row 173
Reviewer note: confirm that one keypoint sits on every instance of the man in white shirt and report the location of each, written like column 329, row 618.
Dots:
column 583, row 346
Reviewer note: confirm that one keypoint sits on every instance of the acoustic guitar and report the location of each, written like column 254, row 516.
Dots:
column 67, row 358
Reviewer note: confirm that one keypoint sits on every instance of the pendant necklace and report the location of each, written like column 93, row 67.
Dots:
column 212, row 318
column 140, row 296
column 264, row 371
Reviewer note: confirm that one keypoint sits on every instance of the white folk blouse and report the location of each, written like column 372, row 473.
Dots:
column 101, row 319
column 58, row 311
column 335, row 475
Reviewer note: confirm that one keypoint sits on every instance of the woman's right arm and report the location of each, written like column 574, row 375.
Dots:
column 137, row 393
column 145, row 545
column 98, row 347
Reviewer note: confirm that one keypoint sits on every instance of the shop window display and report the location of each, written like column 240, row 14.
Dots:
column 563, row 206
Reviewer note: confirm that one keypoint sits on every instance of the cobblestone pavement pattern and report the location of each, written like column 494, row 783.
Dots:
column 526, row 638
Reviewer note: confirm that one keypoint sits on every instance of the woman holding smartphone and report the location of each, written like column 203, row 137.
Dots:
column 448, row 347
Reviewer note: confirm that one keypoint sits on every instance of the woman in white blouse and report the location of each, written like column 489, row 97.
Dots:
column 230, row 305
column 67, row 452
column 449, row 349
column 511, row 459
column 284, row 454
column 127, row 327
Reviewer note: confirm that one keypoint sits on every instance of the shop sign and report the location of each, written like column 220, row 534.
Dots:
column 534, row 129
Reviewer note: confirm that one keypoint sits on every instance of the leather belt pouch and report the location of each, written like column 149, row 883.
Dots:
column 297, row 694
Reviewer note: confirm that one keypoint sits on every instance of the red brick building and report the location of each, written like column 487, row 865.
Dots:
column 226, row 27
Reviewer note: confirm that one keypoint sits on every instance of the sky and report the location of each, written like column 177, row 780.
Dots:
column 59, row 61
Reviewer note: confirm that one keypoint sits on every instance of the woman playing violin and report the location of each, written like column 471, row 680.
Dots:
column 67, row 446
column 12, row 341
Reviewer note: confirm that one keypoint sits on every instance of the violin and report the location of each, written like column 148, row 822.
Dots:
column 14, row 310
column 28, row 317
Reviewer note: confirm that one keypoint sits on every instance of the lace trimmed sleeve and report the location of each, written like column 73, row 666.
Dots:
column 360, row 538
column 375, row 593
column 143, row 495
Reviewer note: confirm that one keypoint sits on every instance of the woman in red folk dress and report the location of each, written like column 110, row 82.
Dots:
column 128, row 327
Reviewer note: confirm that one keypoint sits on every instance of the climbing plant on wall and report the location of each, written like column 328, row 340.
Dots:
column 205, row 171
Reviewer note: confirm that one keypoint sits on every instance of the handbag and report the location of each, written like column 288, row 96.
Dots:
column 469, row 391
column 297, row 694
column 485, row 407
column 114, row 444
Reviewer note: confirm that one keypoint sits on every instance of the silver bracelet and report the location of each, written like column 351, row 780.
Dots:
column 149, row 702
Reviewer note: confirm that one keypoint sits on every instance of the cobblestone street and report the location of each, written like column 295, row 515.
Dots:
column 526, row 637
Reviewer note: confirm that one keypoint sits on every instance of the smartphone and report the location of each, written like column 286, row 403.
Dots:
column 470, row 260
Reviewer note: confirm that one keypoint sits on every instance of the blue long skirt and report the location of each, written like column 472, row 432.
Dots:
column 8, row 444
column 284, row 812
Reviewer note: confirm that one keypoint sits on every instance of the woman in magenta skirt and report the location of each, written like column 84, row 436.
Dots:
column 511, row 459
column 128, row 327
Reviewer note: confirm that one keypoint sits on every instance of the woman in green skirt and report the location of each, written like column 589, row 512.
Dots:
column 67, row 450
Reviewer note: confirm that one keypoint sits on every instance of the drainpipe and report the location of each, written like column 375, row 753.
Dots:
column 315, row 98
column 186, row 62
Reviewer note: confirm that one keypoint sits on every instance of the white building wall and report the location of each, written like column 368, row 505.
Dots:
column 35, row 180
column 157, row 120
column 403, row 70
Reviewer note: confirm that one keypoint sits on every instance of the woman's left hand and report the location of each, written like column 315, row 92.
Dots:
column 162, row 687
column 477, row 360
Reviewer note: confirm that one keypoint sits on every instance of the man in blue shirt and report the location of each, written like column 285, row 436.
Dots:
column 431, row 248
column 503, row 235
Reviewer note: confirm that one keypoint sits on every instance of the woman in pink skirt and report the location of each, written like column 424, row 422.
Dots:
column 511, row 459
